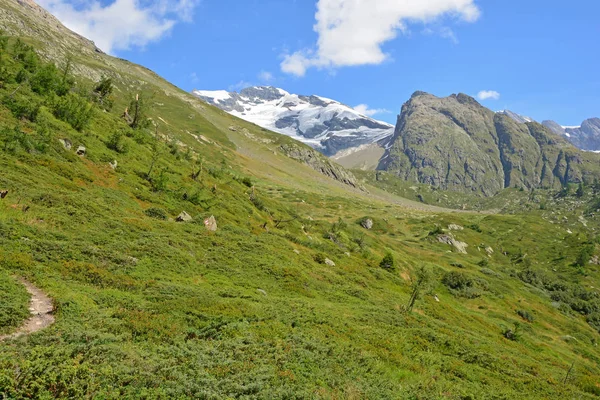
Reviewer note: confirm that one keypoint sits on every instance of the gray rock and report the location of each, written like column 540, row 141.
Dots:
column 211, row 223
column 367, row 224
column 461, row 247
column 329, row 262
column 81, row 150
column 184, row 217
column 454, row 227
column 113, row 164
column 66, row 143
column 264, row 293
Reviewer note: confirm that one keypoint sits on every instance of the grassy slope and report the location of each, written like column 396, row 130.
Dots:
column 155, row 309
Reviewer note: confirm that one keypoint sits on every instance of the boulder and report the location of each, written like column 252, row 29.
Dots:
column 113, row 164
column 211, row 223
column 81, row 150
column 329, row 262
column 3, row 193
column 454, row 227
column 184, row 217
column 66, row 143
column 461, row 247
column 489, row 251
column 367, row 223
column 261, row 291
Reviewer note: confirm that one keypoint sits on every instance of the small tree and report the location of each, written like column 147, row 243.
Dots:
column 388, row 262
column 421, row 283
column 136, row 113
column 103, row 92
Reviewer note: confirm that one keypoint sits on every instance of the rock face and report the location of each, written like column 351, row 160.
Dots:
column 454, row 143
column 320, row 163
column 324, row 124
column 586, row 136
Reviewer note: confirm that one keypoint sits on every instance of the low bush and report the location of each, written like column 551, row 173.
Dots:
column 157, row 213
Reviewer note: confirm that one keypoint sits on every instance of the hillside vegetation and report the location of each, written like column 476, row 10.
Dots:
column 308, row 288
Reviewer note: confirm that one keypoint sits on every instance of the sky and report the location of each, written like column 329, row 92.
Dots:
column 538, row 58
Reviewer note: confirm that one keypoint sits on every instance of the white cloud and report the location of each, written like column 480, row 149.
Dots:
column 365, row 110
column 266, row 76
column 352, row 32
column 488, row 94
column 122, row 24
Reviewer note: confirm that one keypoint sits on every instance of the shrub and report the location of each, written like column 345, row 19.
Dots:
column 22, row 106
column 526, row 315
column 13, row 139
column 117, row 142
column 247, row 181
column 457, row 280
column 484, row 262
column 436, row 231
column 513, row 334
column 388, row 262
column 584, row 256
column 475, row 228
column 462, row 285
column 320, row 258
column 74, row 109
column 594, row 320
column 157, row 213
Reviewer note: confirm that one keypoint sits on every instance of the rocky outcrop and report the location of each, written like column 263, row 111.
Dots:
column 320, row 163
column 454, row 143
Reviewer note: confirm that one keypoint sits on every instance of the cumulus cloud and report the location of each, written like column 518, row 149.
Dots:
column 369, row 112
column 352, row 32
column 121, row 24
column 488, row 95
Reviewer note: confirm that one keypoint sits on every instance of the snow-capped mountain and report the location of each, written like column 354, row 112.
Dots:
column 325, row 124
column 517, row 117
column 586, row 136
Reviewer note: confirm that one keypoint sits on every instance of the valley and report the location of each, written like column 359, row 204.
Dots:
column 190, row 253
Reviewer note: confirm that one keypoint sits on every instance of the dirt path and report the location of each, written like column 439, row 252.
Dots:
column 41, row 309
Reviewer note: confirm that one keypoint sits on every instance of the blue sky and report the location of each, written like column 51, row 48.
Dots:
column 540, row 57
